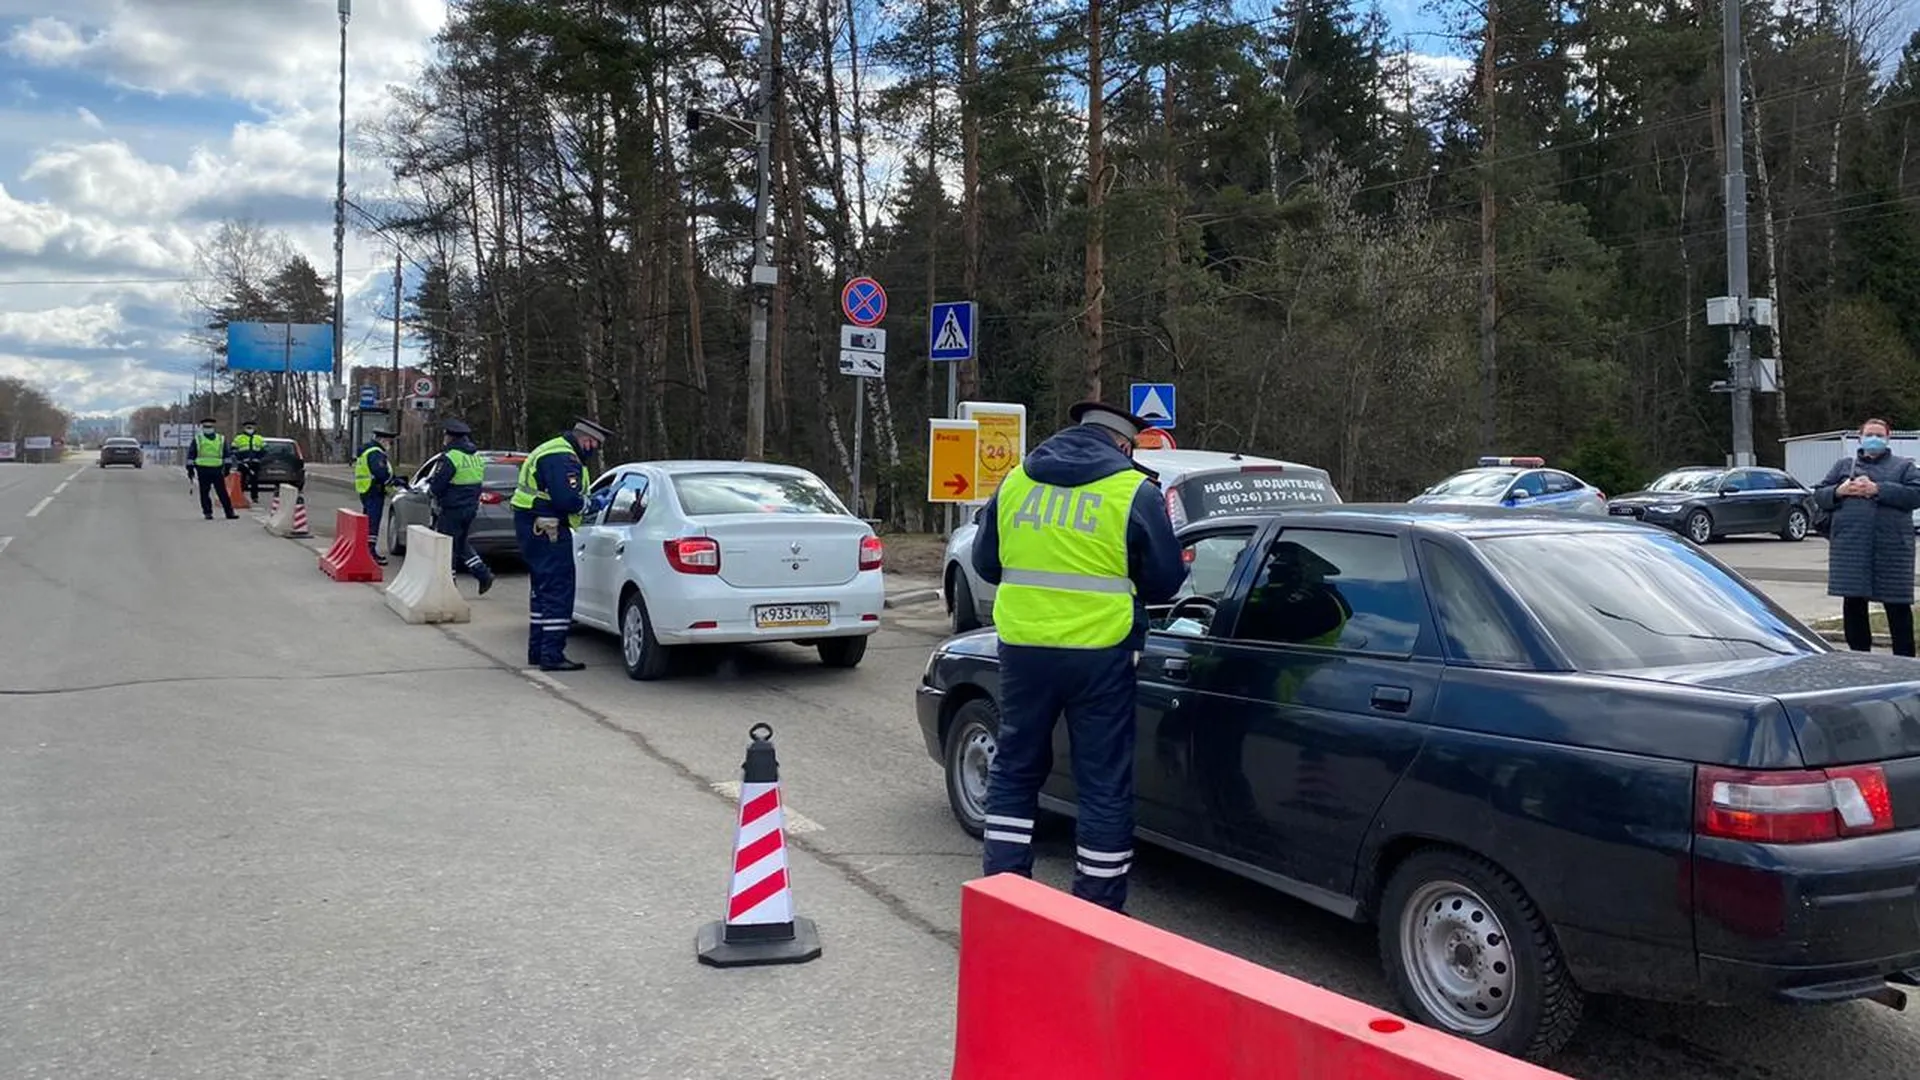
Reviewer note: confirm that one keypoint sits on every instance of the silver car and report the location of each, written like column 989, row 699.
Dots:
column 1517, row 483
column 492, row 533
column 1199, row 484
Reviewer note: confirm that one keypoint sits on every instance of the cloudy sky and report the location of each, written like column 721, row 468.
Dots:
column 129, row 127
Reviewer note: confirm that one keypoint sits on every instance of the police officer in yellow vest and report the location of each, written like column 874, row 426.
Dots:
column 248, row 449
column 1078, row 542
column 456, row 481
column 547, row 504
column 209, row 466
column 372, row 476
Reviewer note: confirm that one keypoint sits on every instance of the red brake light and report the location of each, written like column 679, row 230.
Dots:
column 694, row 555
column 1175, row 512
column 1792, row 807
column 491, row 498
column 873, row 554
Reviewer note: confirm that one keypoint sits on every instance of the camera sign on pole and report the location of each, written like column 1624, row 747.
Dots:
column 863, row 351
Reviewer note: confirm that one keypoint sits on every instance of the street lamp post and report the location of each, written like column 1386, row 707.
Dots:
column 340, row 238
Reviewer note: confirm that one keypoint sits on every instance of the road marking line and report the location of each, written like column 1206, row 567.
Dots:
column 796, row 821
column 4, row 541
column 62, row 487
column 77, row 473
column 39, row 506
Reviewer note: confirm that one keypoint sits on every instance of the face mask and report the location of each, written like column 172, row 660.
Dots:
column 206, row 431
column 1873, row 444
column 248, row 429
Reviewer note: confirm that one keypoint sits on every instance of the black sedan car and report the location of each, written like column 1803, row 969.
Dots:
column 1546, row 756
column 120, row 450
column 282, row 462
column 1704, row 503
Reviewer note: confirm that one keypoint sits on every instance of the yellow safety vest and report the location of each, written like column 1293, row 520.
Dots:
column 209, row 451
column 245, row 442
column 527, row 490
column 363, row 470
column 1063, row 562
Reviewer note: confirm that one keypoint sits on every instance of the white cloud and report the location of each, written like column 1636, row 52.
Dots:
column 129, row 127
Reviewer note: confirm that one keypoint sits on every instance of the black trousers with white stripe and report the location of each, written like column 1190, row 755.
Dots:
column 1094, row 688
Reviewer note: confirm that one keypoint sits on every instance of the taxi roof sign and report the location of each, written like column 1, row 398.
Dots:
column 1515, row 462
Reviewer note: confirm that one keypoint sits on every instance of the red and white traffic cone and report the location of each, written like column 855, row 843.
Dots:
column 300, row 517
column 760, row 926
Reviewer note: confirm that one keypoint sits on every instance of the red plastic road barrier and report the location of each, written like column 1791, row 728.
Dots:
column 1054, row 988
column 349, row 559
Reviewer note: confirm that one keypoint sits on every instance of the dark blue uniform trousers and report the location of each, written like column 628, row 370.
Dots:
column 372, row 503
column 550, row 568
column 456, row 524
column 1095, row 688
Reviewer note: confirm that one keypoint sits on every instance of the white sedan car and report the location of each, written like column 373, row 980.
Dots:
column 673, row 553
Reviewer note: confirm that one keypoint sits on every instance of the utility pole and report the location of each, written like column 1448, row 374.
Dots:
column 340, row 235
column 764, row 274
column 1740, row 358
column 398, row 416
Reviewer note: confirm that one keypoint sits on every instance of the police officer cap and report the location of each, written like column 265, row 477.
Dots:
column 584, row 426
column 458, row 428
column 1118, row 421
column 250, row 423
column 208, row 420
column 382, row 433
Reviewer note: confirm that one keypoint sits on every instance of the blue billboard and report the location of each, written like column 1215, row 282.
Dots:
column 254, row 346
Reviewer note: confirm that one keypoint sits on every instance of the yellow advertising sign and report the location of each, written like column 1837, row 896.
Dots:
column 953, row 455
column 1003, row 442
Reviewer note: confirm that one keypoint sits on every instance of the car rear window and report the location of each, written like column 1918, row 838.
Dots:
column 502, row 474
column 1252, row 489
column 1625, row 601
column 270, row 448
column 122, row 443
column 703, row 494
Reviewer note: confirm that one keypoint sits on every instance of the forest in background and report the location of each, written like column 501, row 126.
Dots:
column 1337, row 257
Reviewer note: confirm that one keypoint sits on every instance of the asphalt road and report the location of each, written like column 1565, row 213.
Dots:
column 238, row 857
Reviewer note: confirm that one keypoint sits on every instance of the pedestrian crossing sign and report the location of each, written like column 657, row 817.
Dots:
column 1153, row 402
column 950, row 332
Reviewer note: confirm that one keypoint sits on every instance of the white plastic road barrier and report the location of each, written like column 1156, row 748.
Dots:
column 423, row 591
column 280, row 522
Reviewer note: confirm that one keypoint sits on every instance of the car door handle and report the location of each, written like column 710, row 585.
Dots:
column 620, row 548
column 1392, row 698
column 1174, row 668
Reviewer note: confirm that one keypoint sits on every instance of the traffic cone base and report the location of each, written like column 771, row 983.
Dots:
column 760, row 926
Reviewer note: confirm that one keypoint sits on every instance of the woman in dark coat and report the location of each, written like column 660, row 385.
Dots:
column 1872, row 497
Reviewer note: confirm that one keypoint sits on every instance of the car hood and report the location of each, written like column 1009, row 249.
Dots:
column 1648, row 498
column 977, row 643
column 1845, row 707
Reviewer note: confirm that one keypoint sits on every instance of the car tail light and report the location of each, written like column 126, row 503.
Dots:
column 1175, row 512
column 1792, row 807
column 872, row 553
column 492, row 498
column 694, row 555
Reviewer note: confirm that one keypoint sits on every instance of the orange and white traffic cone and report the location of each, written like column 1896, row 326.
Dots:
column 760, row 926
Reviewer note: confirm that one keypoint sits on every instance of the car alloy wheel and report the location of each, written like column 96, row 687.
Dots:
column 640, row 652
column 1700, row 527
column 1796, row 524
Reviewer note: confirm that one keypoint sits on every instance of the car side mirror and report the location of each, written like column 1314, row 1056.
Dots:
column 1520, row 496
column 1725, row 491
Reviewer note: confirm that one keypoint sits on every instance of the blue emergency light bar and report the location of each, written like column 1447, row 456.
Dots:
column 1515, row 462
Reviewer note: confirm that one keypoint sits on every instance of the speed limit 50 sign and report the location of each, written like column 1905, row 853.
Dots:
column 423, row 387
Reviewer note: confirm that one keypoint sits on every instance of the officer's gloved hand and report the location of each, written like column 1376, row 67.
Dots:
column 547, row 527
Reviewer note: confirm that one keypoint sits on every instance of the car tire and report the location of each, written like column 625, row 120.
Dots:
column 395, row 530
column 640, row 652
column 843, row 652
column 965, row 613
column 1797, row 526
column 1514, row 993
column 966, row 760
column 1699, row 527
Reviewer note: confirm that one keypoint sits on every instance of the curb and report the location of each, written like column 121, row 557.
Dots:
column 1839, row 637
column 908, row 597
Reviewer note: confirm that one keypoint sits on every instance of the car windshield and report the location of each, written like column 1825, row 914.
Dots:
column 705, row 494
column 1688, row 480
column 1631, row 600
column 1474, row 482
